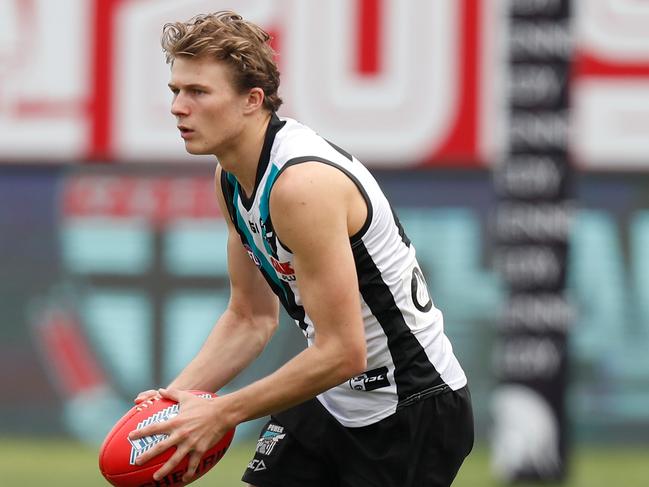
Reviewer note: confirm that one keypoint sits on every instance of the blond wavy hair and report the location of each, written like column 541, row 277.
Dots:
column 226, row 36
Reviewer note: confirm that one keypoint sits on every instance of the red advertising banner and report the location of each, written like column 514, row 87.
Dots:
column 157, row 199
column 400, row 83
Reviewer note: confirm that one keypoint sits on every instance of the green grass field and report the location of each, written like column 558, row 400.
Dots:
column 60, row 463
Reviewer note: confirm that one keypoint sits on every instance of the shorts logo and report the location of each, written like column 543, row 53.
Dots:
column 271, row 437
column 370, row 380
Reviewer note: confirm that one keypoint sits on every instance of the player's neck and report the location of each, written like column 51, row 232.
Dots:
column 243, row 157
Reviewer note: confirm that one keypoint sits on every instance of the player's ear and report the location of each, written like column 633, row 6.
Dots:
column 254, row 100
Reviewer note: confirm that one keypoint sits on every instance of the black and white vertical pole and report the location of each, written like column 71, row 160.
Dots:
column 532, row 224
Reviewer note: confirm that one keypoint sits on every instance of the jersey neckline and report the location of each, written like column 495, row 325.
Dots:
column 274, row 126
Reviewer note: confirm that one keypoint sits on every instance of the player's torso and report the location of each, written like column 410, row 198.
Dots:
column 408, row 354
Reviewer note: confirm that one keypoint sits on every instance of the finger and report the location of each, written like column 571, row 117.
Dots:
column 172, row 463
column 194, row 461
column 145, row 395
column 155, row 450
column 173, row 394
column 163, row 428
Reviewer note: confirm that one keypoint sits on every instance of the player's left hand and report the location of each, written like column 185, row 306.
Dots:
column 193, row 431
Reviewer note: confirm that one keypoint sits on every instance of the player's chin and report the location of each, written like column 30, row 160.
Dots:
column 196, row 150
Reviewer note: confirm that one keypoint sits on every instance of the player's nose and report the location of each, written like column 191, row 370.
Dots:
column 178, row 106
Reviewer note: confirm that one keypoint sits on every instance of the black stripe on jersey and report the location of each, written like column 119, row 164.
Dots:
column 402, row 232
column 299, row 160
column 413, row 371
column 341, row 151
column 293, row 309
column 227, row 190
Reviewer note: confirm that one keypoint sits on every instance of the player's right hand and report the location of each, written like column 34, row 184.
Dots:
column 147, row 397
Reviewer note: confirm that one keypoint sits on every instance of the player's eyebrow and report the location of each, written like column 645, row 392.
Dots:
column 191, row 86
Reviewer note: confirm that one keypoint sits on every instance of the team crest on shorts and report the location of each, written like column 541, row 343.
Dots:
column 271, row 437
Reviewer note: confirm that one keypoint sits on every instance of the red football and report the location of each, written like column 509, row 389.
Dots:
column 118, row 453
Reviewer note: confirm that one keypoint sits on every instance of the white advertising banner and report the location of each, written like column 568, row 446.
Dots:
column 44, row 85
column 611, row 89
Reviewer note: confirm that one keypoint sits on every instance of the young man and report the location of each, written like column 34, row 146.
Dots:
column 377, row 398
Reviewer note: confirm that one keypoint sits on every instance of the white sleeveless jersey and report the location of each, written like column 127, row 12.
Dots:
column 408, row 355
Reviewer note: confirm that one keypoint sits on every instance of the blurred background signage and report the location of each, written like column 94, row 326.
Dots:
column 401, row 84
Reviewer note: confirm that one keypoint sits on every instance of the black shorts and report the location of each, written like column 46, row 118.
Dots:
column 421, row 445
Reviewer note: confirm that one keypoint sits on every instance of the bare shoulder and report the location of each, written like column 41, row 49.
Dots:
column 319, row 197
column 310, row 183
column 309, row 201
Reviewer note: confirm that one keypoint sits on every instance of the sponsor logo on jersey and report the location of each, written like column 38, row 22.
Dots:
column 252, row 255
column 284, row 269
column 370, row 380
column 271, row 437
column 254, row 228
column 419, row 291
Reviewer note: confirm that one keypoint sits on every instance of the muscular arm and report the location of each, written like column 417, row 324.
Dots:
column 312, row 207
column 245, row 327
